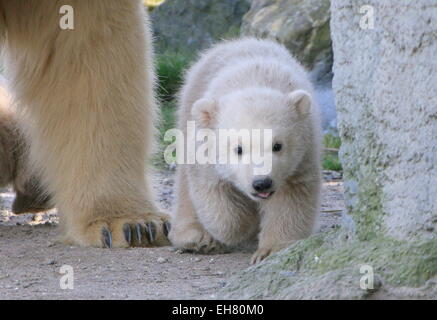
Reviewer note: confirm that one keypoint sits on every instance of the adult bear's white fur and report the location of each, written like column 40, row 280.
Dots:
column 14, row 169
column 87, row 107
column 249, row 84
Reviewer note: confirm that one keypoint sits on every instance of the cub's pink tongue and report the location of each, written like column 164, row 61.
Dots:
column 264, row 194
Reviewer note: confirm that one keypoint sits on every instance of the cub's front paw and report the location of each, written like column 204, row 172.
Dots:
column 148, row 230
column 195, row 240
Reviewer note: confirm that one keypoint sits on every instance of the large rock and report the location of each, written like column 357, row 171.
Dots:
column 301, row 25
column 335, row 266
column 189, row 25
column 385, row 88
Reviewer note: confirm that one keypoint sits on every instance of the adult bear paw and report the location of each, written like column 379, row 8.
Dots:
column 148, row 230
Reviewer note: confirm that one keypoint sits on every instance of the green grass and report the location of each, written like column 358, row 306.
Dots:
column 170, row 70
column 168, row 118
column 330, row 160
column 167, row 122
column 331, row 141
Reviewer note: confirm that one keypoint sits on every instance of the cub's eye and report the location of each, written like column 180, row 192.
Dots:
column 239, row 150
column 277, row 147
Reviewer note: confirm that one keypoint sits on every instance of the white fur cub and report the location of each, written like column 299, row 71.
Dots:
column 249, row 84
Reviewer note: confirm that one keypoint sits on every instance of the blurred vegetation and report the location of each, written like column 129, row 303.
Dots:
column 330, row 160
column 167, row 122
column 170, row 70
column 331, row 141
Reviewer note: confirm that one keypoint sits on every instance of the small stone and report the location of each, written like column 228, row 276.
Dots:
column 161, row 260
column 37, row 218
column 167, row 181
column 336, row 175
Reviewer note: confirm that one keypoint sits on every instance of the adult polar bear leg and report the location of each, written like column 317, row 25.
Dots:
column 87, row 105
column 287, row 218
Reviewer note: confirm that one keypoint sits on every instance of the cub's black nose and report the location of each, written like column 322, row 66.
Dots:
column 262, row 184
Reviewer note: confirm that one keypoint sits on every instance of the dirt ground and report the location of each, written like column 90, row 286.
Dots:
column 31, row 259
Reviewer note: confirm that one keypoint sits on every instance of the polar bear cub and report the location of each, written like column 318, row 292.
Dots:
column 249, row 84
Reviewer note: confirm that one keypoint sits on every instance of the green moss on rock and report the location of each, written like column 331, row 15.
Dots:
column 334, row 260
column 368, row 212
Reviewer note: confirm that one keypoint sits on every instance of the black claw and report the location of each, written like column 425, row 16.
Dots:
column 127, row 233
column 138, row 232
column 107, row 238
column 167, row 228
column 150, row 232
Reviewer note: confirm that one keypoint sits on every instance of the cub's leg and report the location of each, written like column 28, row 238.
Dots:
column 289, row 216
column 87, row 108
column 211, row 212
column 187, row 233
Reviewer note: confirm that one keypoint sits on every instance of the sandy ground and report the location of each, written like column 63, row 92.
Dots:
column 31, row 259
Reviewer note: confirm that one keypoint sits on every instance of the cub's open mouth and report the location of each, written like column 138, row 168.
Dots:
column 263, row 195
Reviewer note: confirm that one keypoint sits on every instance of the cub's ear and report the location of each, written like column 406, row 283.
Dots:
column 300, row 100
column 204, row 111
